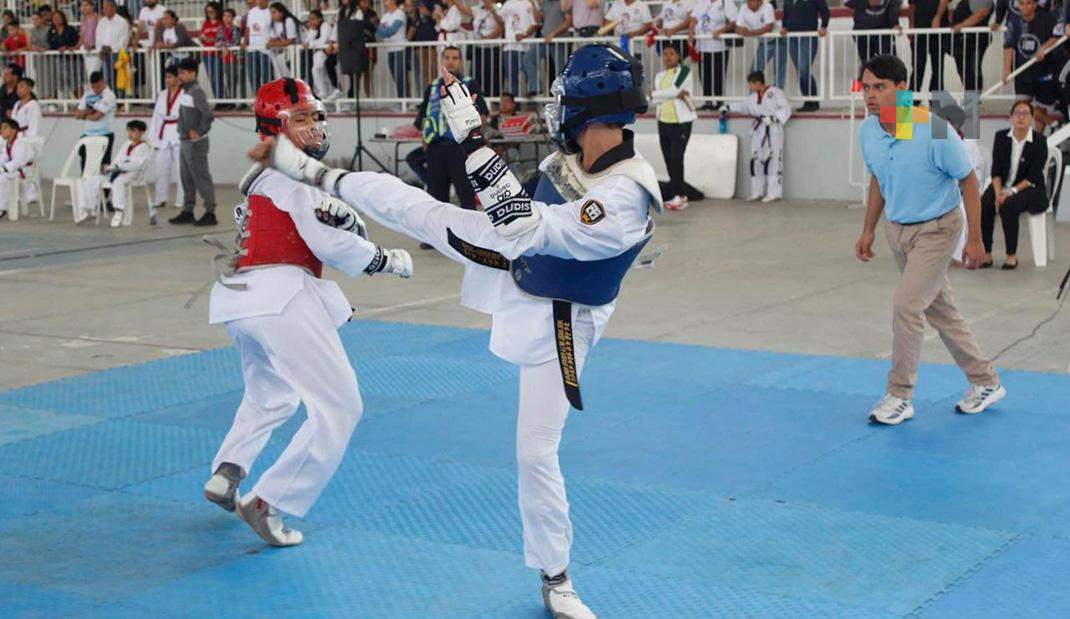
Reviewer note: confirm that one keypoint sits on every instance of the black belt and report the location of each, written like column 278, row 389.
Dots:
column 566, row 348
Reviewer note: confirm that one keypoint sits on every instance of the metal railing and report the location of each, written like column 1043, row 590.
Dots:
column 399, row 73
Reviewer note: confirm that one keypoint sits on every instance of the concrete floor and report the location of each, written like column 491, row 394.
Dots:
column 781, row 278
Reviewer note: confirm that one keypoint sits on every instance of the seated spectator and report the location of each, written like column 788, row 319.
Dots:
column 875, row 15
column 97, row 109
column 1018, row 159
column 756, row 18
column 9, row 92
column 16, row 161
column 129, row 163
column 506, row 109
column 1036, row 34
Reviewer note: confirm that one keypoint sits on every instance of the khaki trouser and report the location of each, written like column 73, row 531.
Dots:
column 923, row 253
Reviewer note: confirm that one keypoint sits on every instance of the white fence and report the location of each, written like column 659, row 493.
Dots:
column 971, row 59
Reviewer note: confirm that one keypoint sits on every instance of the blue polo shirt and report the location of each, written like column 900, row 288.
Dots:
column 919, row 178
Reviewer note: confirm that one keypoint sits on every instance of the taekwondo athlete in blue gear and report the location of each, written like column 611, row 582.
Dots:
column 547, row 270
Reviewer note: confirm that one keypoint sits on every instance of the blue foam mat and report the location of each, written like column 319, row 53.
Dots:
column 703, row 482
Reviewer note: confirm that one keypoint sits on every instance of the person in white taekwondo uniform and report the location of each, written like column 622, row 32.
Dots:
column 771, row 110
column 284, row 320
column 27, row 111
column 16, row 162
column 547, row 270
column 130, row 161
column 163, row 134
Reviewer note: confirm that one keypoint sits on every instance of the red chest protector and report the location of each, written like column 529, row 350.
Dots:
column 272, row 238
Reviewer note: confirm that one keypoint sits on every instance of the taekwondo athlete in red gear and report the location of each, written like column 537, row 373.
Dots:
column 547, row 270
column 284, row 319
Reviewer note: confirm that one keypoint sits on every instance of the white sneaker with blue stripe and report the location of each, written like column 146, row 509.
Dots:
column 980, row 397
column 892, row 410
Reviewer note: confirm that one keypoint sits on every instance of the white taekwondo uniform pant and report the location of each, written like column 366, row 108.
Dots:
column 167, row 163
column 543, row 405
column 89, row 194
column 767, row 161
column 288, row 358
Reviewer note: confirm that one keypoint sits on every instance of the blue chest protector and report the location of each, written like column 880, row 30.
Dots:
column 587, row 282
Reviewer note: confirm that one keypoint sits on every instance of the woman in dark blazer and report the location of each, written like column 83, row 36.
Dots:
column 1025, row 193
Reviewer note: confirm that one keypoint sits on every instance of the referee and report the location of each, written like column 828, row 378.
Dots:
column 917, row 180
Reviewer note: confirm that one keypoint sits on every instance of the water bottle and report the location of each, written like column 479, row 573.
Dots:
column 624, row 42
column 723, row 122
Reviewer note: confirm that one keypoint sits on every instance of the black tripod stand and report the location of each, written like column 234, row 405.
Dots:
column 352, row 56
column 360, row 150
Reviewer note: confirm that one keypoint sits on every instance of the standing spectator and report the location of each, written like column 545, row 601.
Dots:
column 556, row 21
column 9, row 92
column 632, row 18
column 676, row 112
column 487, row 59
column 755, row 19
column 802, row 16
column 147, row 19
column 163, row 135
column 709, row 20
column 256, row 32
column 16, row 161
column 875, row 15
column 424, row 31
column 587, row 15
column 1036, row 34
column 391, row 32
column 15, row 41
column 27, row 111
column 87, row 36
column 347, row 10
column 128, row 165
column 1018, row 158
column 45, row 13
column 521, row 24
column 171, row 34
column 113, row 34
column 1008, row 11
column 445, row 157
column 9, row 16
column 194, row 123
column 369, row 20
column 770, row 109
column 97, row 109
column 284, row 33
column 230, row 37
column 450, row 20
column 39, row 33
column 929, row 47
column 63, row 37
column 316, row 38
column 211, row 36
column 674, row 18
column 969, row 48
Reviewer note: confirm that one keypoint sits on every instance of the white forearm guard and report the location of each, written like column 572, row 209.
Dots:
column 504, row 200
column 293, row 162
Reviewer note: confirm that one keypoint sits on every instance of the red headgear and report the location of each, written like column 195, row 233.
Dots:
column 277, row 100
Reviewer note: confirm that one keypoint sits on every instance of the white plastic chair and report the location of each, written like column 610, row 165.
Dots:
column 95, row 146
column 138, row 181
column 37, row 144
column 1041, row 231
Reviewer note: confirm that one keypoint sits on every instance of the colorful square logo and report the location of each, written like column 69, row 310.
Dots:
column 904, row 114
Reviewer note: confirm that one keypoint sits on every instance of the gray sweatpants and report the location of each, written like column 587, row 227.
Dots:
column 196, row 177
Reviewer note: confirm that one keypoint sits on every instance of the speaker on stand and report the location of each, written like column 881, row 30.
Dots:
column 352, row 57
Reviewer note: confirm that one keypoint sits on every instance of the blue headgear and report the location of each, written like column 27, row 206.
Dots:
column 601, row 83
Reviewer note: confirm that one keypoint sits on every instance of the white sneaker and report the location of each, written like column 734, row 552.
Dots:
column 980, row 397
column 891, row 410
column 334, row 95
column 117, row 219
column 562, row 600
column 222, row 487
column 266, row 521
column 676, row 204
column 754, row 198
column 768, row 199
column 81, row 215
